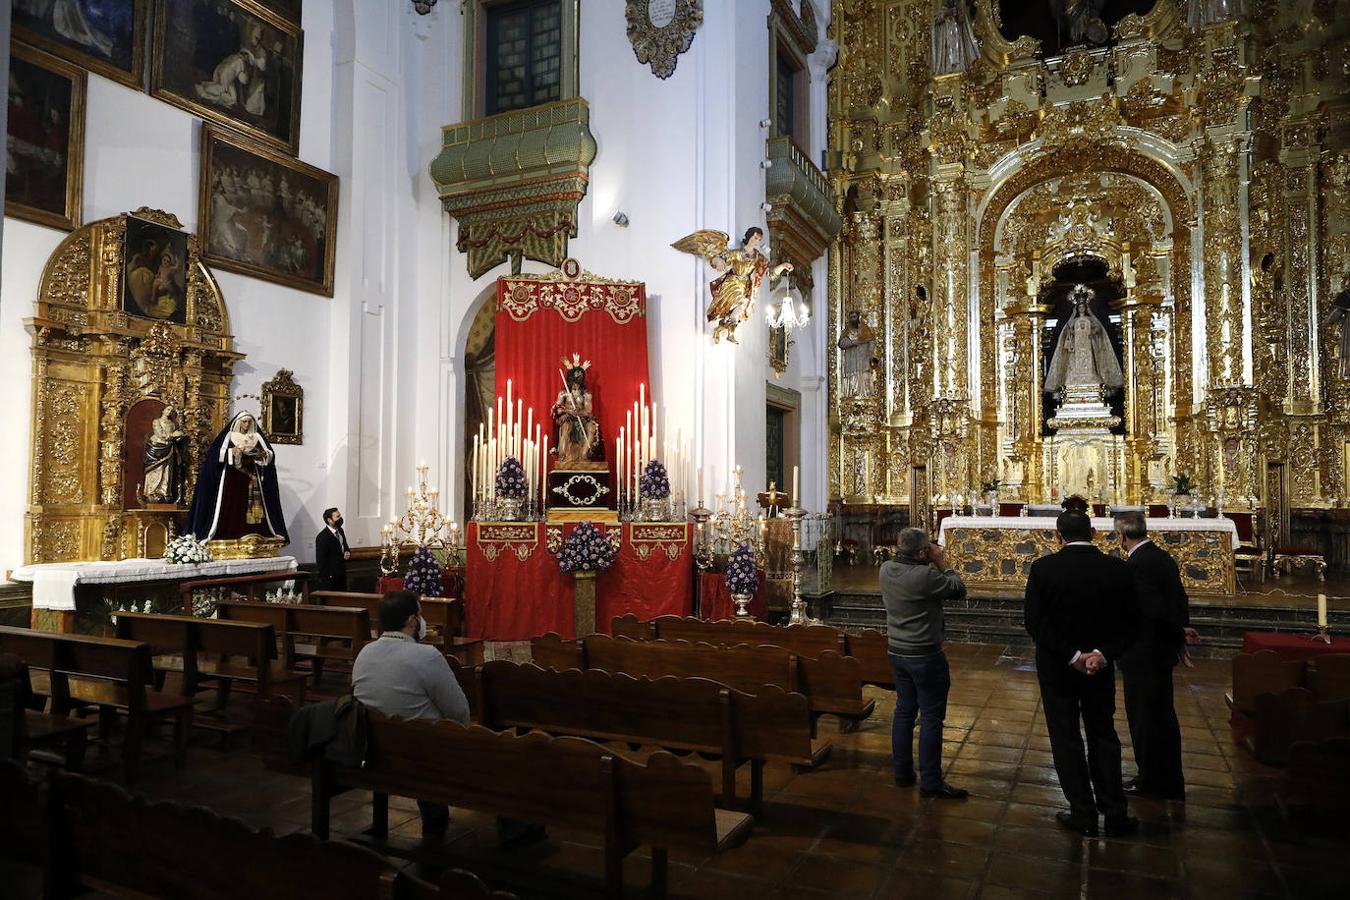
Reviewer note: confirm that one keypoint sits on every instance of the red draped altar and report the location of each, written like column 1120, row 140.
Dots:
column 541, row 318
column 514, row 589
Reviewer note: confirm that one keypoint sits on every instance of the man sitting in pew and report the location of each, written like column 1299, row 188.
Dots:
column 401, row 677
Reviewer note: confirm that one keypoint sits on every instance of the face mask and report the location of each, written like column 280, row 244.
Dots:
column 337, row 523
column 421, row 628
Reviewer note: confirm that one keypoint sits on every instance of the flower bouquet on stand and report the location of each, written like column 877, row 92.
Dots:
column 424, row 574
column 186, row 550
column 741, row 579
column 511, row 490
column 654, row 491
column 585, row 552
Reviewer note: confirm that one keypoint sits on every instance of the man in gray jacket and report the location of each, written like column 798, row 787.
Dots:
column 913, row 586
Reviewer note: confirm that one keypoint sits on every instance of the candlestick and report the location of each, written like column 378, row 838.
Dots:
column 796, row 483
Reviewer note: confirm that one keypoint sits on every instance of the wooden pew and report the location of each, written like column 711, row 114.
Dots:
column 1263, row 672
column 23, row 730
column 567, row 782
column 1318, row 781
column 1329, row 676
column 672, row 713
column 339, row 632
column 1294, row 715
column 114, row 675
column 808, row 641
column 832, row 683
column 97, row 836
column 213, row 650
column 444, row 615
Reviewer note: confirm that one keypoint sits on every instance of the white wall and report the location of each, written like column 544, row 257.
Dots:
column 674, row 155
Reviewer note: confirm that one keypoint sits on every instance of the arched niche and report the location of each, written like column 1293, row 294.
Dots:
column 94, row 360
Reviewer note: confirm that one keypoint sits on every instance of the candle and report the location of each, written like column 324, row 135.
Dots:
column 520, row 418
column 700, row 487
column 618, row 470
column 796, row 483
column 1322, row 611
column 473, row 494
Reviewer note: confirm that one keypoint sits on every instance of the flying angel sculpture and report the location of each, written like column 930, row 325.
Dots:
column 740, row 271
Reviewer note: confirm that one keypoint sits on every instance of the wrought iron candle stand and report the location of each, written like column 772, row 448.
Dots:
column 798, row 613
column 422, row 525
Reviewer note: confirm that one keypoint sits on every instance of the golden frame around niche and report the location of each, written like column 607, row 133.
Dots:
column 92, row 363
column 283, row 426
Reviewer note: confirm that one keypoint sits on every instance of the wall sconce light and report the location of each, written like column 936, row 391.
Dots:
column 621, row 219
column 766, row 164
column 763, row 123
column 766, row 206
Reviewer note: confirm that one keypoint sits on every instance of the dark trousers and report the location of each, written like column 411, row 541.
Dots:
column 1069, row 699
column 1154, row 729
column 921, row 685
column 334, row 582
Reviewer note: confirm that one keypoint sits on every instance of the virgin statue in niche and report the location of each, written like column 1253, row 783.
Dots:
column 1083, row 358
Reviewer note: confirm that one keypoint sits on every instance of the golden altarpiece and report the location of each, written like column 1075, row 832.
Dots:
column 1198, row 170
column 97, row 371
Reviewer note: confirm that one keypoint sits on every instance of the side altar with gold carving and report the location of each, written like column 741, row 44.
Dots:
column 996, row 552
column 133, row 359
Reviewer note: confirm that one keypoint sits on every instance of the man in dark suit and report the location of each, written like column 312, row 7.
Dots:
column 1146, row 668
column 1080, row 611
column 331, row 552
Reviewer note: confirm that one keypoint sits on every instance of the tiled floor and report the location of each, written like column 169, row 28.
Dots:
column 846, row 831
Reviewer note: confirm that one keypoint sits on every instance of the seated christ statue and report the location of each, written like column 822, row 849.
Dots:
column 579, row 439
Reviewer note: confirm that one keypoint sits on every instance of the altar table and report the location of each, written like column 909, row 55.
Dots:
column 996, row 552
column 64, row 587
column 1293, row 645
column 515, row 591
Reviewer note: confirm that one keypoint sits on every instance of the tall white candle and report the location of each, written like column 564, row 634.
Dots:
column 1321, row 610
column 618, row 470
column 473, row 494
column 796, row 483
column 520, row 423
column 700, row 487
column 543, row 494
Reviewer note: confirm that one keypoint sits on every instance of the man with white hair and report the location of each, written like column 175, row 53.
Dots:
column 913, row 586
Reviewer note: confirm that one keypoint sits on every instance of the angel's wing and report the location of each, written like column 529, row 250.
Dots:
column 706, row 243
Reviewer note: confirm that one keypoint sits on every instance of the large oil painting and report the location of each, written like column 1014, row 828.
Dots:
column 154, row 283
column 230, row 61
column 103, row 36
column 266, row 215
column 44, row 149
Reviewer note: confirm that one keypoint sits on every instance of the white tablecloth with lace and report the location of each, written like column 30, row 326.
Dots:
column 54, row 583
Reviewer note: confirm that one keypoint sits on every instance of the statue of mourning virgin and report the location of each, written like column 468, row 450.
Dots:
column 1083, row 368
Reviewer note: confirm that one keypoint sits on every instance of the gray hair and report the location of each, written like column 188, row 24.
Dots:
column 910, row 542
column 1132, row 525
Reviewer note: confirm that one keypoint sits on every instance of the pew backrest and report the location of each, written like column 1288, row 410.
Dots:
column 872, row 651
column 443, row 613
column 804, row 640
column 1263, row 672
column 126, row 663
column 195, row 637
column 743, row 667
column 1329, row 676
column 345, row 623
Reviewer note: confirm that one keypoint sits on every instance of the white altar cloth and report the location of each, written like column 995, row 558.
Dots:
column 1035, row 523
column 54, row 583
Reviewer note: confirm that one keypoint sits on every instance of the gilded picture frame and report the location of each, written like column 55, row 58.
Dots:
column 265, row 214
column 37, row 188
column 156, row 267
column 106, row 37
column 253, row 81
column 283, row 409
column 779, row 345
column 660, row 30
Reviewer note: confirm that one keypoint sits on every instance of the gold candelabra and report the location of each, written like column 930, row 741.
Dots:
column 720, row 530
column 422, row 525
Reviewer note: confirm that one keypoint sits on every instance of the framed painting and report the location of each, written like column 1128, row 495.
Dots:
column 287, row 9
column 102, row 36
column 283, row 409
column 154, row 282
column 264, row 214
column 230, row 61
column 44, row 159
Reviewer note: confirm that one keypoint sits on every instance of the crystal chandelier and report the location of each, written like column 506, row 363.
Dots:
column 783, row 311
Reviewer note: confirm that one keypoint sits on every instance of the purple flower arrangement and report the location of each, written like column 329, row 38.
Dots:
column 586, row 549
column 511, row 480
column 424, row 575
column 654, row 483
column 741, row 576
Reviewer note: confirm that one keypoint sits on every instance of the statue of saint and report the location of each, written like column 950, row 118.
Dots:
column 858, row 343
column 578, row 429
column 164, row 455
column 741, row 269
column 237, row 491
column 1340, row 312
column 954, row 47
column 1083, row 357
